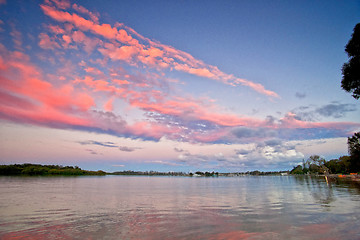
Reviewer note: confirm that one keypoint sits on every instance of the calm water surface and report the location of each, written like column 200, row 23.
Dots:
column 123, row 207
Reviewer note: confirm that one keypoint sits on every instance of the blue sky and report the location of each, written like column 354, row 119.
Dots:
column 175, row 85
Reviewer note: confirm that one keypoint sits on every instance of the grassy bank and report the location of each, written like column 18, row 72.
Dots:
column 28, row 169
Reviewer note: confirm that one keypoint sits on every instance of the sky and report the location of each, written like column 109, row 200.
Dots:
column 227, row 86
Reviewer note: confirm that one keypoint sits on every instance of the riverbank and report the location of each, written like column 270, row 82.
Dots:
column 351, row 176
column 28, row 169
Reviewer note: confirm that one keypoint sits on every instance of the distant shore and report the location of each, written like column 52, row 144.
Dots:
column 353, row 176
column 28, row 169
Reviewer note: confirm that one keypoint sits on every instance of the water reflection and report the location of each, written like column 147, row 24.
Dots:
column 322, row 189
column 177, row 208
column 319, row 188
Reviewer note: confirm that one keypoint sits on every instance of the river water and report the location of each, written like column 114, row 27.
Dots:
column 132, row 207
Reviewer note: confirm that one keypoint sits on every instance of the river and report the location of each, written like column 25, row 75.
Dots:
column 141, row 207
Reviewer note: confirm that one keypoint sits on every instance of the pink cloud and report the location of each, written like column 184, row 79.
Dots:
column 125, row 53
column 290, row 121
column 123, row 36
column 202, row 72
column 56, row 29
column 188, row 110
column 209, row 137
column 83, row 10
column 36, row 100
column 94, row 71
column 27, row 97
column 153, row 55
column 88, row 43
column 67, row 40
column 108, row 106
column 46, row 42
column 3, row 66
column 97, row 85
column 155, row 101
column 104, row 30
column 153, row 130
column 10, row 100
column 16, row 37
column 66, row 95
column 78, row 36
column 121, row 82
column 62, row 4
column 257, row 87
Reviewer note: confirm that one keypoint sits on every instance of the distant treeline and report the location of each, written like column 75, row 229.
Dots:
column 344, row 165
column 29, row 169
column 269, row 173
column 148, row 173
column 205, row 174
column 197, row 174
column 317, row 165
column 252, row 173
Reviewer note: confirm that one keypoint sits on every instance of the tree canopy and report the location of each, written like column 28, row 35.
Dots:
column 344, row 165
column 354, row 151
column 28, row 169
column 351, row 70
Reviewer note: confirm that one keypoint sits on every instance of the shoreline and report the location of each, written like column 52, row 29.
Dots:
column 352, row 177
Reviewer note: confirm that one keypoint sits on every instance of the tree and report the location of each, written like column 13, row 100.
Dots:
column 316, row 159
column 314, row 169
column 354, row 151
column 351, row 70
column 341, row 165
column 318, row 164
column 297, row 170
column 354, row 144
column 345, row 164
column 305, row 169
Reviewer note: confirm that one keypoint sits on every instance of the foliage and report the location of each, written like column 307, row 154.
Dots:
column 297, row 170
column 305, row 167
column 207, row 174
column 354, row 151
column 270, row 173
column 28, row 169
column 354, row 144
column 314, row 169
column 314, row 165
column 351, row 70
column 316, row 159
column 148, row 173
column 317, row 165
column 341, row 165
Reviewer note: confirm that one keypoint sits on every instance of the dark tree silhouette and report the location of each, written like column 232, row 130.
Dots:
column 354, row 151
column 351, row 70
column 354, row 144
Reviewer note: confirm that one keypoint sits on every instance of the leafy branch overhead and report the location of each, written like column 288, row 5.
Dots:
column 351, row 70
